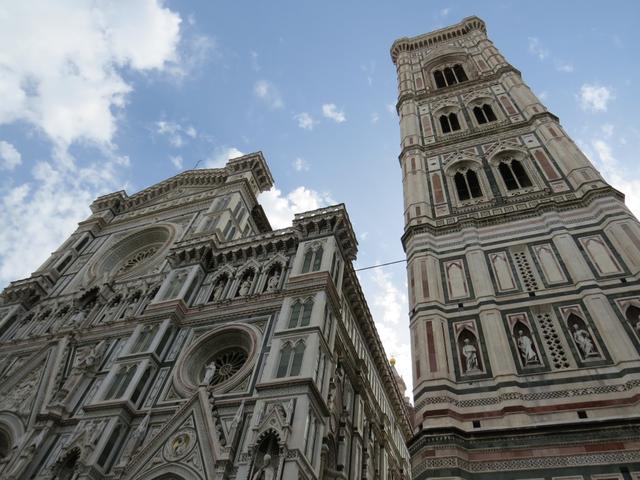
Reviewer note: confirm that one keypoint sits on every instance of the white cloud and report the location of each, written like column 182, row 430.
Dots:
column 175, row 132
column 281, row 208
column 607, row 130
column 60, row 68
column 536, row 48
column 10, row 158
column 620, row 178
column 305, row 121
column 221, row 156
column 594, row 97
column 62, row 73
column 445, row 11
column 329, row 110
column 388, row 304
column 177, row 162
column 543, row 95
column 565, row 67
column 375, row 117
column 254, row 60
column 391, row 108
column 268, row 93
column 301, row 164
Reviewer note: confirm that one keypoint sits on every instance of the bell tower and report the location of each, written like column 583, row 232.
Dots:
column 523, row 272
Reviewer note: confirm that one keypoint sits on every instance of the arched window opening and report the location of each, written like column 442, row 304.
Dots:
column 290, row 362
column 301, row 313
column 461, row 187
column 449, row 123
column 520, row 174
column 106, row 455
column 450, row 76
column 467, row 185
column 474, row 184
column 296, row 364
column 484, row 114
column 444, row 124
column 285, row 357
column 5, row 445
column 460, row 74
column 488, row 111
column 514, row 175
column 312, row 259
column 140, row 387
column 633, row 317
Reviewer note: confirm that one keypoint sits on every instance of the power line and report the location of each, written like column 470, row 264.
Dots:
column 380, row 265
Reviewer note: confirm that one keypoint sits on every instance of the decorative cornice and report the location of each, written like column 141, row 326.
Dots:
column 408, row 44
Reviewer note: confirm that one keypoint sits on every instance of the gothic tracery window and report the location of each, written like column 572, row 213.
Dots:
column 312, row 259
column 467, row 185
column 450, row 76
column 513, row 174
column 449, row 123
column 290, row 359
column 301, row 313
column 484, row 114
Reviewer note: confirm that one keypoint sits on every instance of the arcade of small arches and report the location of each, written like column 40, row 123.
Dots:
column 511, row 169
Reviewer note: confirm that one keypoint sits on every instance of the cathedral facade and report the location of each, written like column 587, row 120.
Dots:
column 175, row 335
column 524, row 277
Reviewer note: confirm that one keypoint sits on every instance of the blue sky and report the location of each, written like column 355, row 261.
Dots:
column 98, row 97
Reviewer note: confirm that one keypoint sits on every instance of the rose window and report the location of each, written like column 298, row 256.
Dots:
column 228, row 362
column 221, row 358
column 137, row 259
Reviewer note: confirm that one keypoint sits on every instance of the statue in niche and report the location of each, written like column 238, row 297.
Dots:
column 110, row 311
column 209, row 372
column 584, row 341
column 266, row 471
column 77, row 317
column 135, row 440
column 218, row 288
column 471, row 356
column 176, row 284
column 132, row 305
column 84, row 366
column 527, row 349
column 245, row 286
column 273, row 281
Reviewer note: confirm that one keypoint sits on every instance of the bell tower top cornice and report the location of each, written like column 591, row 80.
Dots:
column 408, row 44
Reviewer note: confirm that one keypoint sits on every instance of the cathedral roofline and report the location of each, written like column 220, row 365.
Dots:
column 254, row 163
column 437, row 36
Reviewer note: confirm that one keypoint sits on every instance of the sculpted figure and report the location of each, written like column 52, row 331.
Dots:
column 266, row 471
column 584, row 341
column 209, row 372
column 245, row 286
column 273, row 282
column 135, row 440
column 84, row 366
column 470, row 355
column 176, row 285
column 525, row 344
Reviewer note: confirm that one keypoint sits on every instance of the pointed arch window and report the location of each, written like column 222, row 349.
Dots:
column 467, row 185
column 312, row 259
column 449, row 123
column 291, row 357
column 301, row 313
column 514, row 175
column 450, row 76
column 484, row 114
